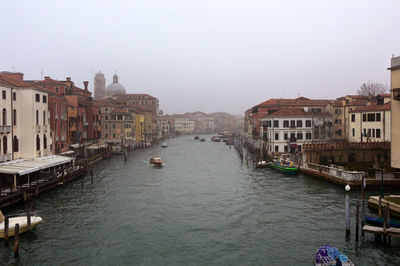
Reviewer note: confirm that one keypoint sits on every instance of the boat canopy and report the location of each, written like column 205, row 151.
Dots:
column 24, row 166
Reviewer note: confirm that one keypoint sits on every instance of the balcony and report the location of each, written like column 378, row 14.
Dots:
column 85, row 123
column 396, row 94
column 5, row 157
column 5, row 129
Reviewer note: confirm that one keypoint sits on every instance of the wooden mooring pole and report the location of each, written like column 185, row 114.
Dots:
column 16, row 241
column 91, row 175
column 28, row 218
column 6, row 229
column 82, row 181
column 362, row 204
column 347, row 206
column 357, row 220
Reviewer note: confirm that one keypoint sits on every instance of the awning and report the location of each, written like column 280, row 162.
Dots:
column 24, row 166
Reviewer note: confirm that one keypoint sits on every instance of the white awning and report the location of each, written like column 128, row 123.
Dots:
column 24, row 166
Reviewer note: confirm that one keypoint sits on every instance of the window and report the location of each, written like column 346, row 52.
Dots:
column 371, row 117
column 285, row 136
column 365, row 132
column 106, row 117
column 44, row 99
column 106, row 126
column 106, row 135
column 14, row 96
column 292, row 123
column 378, row 117
column 378, row 133
column 37, row 97
column 353, row 118
column 285, row 123
column 285, row 149
column 44, row 117
column 276, row 123
column 276, row 136
column 364, row 117
column 299, row 136
column 4, row 145
column 37, row 117
column 4, row 117
column 369, row 132
column 37, row 143
column 299, row 123
column 113, row 117
column 308, row 123
column 353, row 131
column 338, row 111
column 292, row 137
column 4, row 93
column 15, row 117
column 57, row 90
column 15, row 144
column 113, row 126
column 338, row 121
column 316, row 134
column 113, row 135
column 299, row 147
column 308, row 135
column 44, row 142
column 276, row 148
column 119, row 117
column 339, row 132
column 373, row 132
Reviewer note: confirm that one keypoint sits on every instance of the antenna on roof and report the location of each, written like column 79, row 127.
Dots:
column 41, row 73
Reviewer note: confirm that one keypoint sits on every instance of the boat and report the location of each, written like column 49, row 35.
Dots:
column 284, row 165
column 196, row 137
column 262, row 164
column 229, row 142
column 328, row 255
column 164, row 145
column 21, row 220
column 216, row 139
column 202, row 139
column 156, row 161
column 379, row 221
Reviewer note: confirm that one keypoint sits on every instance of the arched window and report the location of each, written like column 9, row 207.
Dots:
column 44, row 142
column 4, row 117
column 44, row 117
column 37, row 117
column 15, row 117
column 4, row 145
column 37, row 143
column 15, row 144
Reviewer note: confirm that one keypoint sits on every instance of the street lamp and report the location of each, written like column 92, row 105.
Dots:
column 347, row 206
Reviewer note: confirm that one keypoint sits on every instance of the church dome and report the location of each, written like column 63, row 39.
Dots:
column 115, row 88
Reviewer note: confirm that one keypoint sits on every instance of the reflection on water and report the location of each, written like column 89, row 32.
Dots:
column 203, row 207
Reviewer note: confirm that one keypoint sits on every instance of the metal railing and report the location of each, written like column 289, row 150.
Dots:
column 5, row 157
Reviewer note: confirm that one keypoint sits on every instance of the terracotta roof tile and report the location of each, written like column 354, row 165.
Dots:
column 296, row 112
column 372, row 107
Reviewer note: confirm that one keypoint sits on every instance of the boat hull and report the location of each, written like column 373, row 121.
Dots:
column 23, row 225
column 284, row 169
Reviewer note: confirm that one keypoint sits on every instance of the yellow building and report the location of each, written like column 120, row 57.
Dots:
column 140, row 127
column 395, row 106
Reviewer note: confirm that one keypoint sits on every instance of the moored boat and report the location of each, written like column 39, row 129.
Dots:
column 284, row 165
column 216, row 139
column 196, row 137
column 156, row 161
column 202, row 139
column 379, row 221
column 262, row 164
column 164, row 145
column 327, row 255
column 22, row 221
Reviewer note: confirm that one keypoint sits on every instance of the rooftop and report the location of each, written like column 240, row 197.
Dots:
column 23, row 166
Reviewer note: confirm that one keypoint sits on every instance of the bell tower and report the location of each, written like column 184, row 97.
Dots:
column 99, row 86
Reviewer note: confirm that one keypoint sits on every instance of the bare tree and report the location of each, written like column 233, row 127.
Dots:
column 372, row 88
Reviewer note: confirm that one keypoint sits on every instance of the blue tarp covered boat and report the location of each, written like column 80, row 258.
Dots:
column 327, row 255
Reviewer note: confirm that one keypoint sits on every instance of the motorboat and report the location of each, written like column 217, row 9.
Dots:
column 284, row 165
column 216, row 139
column 262, row 164
column 156, row 161
column 202, row 139
column 196, row 137
column 164, row 145
column 328, row 255
column 22, row 221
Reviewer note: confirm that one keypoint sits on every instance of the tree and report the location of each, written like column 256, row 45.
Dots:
column 372, row 88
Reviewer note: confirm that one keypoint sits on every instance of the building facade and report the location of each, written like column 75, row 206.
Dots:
column 395, row 111
column 370, row 123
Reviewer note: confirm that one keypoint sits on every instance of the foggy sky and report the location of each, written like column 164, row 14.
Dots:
column 208, row 55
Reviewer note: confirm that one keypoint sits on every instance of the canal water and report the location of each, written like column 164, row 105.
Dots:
column 204, row 207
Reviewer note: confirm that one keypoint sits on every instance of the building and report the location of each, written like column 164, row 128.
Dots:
column 184, row 126
column 395, row 111
column 115, row 88
column 24, row 131
column 370, row 123
column 288, row 129
column 118, row 124
column 99, row 86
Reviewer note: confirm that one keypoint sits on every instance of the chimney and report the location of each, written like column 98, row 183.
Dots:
column 47, row 77
column 69, row 79
column 85, row 83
